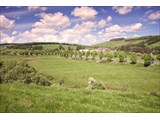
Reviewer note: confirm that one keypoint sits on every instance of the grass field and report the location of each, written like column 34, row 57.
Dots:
column 73, row 96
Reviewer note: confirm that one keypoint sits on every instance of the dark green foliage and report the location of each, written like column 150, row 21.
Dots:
column 79, row 47
column 61, row 47
column 147, row 60
column 158, row 57
column 133, row 58
column 25, row 47
column 21, row 72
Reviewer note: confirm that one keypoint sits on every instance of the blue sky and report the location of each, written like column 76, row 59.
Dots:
column 76, row 24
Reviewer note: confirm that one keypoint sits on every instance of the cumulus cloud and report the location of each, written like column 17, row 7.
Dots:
column 101, row 23
column 90, row 38
column 85, row 13
column 46, row 29
column 154, row 15
column 14, row 32
column 109, row 19
column 128, row 28
column 6, row 23
column 117, row 31
column 78, row 33
column 122, row 10
column 5, row 38
column 37, row 8
column 56, row 20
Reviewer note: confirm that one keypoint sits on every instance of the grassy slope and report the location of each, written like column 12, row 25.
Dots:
column 139, row 80
column 119, row 43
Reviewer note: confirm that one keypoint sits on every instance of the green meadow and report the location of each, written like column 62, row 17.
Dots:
column 138, row 81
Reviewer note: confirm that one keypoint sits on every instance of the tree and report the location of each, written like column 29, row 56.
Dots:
column 79, row 47
column 100, row 55
column 80, row 54
column 158, row 57
column 147, row 60
column 75, row 54
column 87, row 55
column 133, row 58
column 93, row 55
column 109, row 56
column 122, row 56
column 61, row 47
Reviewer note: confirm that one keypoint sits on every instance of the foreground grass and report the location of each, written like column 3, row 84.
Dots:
column 33, row 98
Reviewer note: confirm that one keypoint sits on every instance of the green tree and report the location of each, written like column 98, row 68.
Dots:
column 122, row 56
column 109, row 56
column 80, row 54
column 147, row 60
column 158, row 57
column 100, row 55
column 93, row 55
column 133, row 58
column 87, row 55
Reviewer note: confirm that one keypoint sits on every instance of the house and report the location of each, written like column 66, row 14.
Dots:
column 100, row 49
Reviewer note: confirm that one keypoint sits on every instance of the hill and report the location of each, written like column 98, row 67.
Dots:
column 149, row 41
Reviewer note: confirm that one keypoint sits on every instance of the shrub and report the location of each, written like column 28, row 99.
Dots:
column 87, row 55
column 158, row 57
column 21, row 72
column 93, row 55
column 147, row 60
column 133, row 58
column 109, row 56
column 100, row 55
column 122, row 56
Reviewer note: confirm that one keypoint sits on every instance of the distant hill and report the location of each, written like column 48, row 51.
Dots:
column 149, row 41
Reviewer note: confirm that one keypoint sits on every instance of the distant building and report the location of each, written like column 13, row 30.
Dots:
column 86, row 50
column 102, row 49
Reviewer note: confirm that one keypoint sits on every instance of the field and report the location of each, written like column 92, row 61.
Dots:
column 137, row 80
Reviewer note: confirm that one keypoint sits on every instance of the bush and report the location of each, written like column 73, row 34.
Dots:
column 100, row 55
column 109, row 56
column 21, row 72
column 122, row 56
column 133, row 58
column 147, row 60
column 158, row 57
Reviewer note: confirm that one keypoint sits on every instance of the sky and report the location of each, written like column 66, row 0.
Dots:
column 86, row 25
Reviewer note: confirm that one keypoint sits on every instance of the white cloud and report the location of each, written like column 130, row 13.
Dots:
column 46, row 29
column 6, row 23
column 90, row 38
column 37, row 8
column 5, row 38
column 14, row 32
column 15, row 14
column 85, row 13
column 122, row 10
column 117, row 31
column 154, row 15
column 54, row 21
column 109, row 19
column 128, row 28
column 78, row 34
column 153, row 22
column 101, row 23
